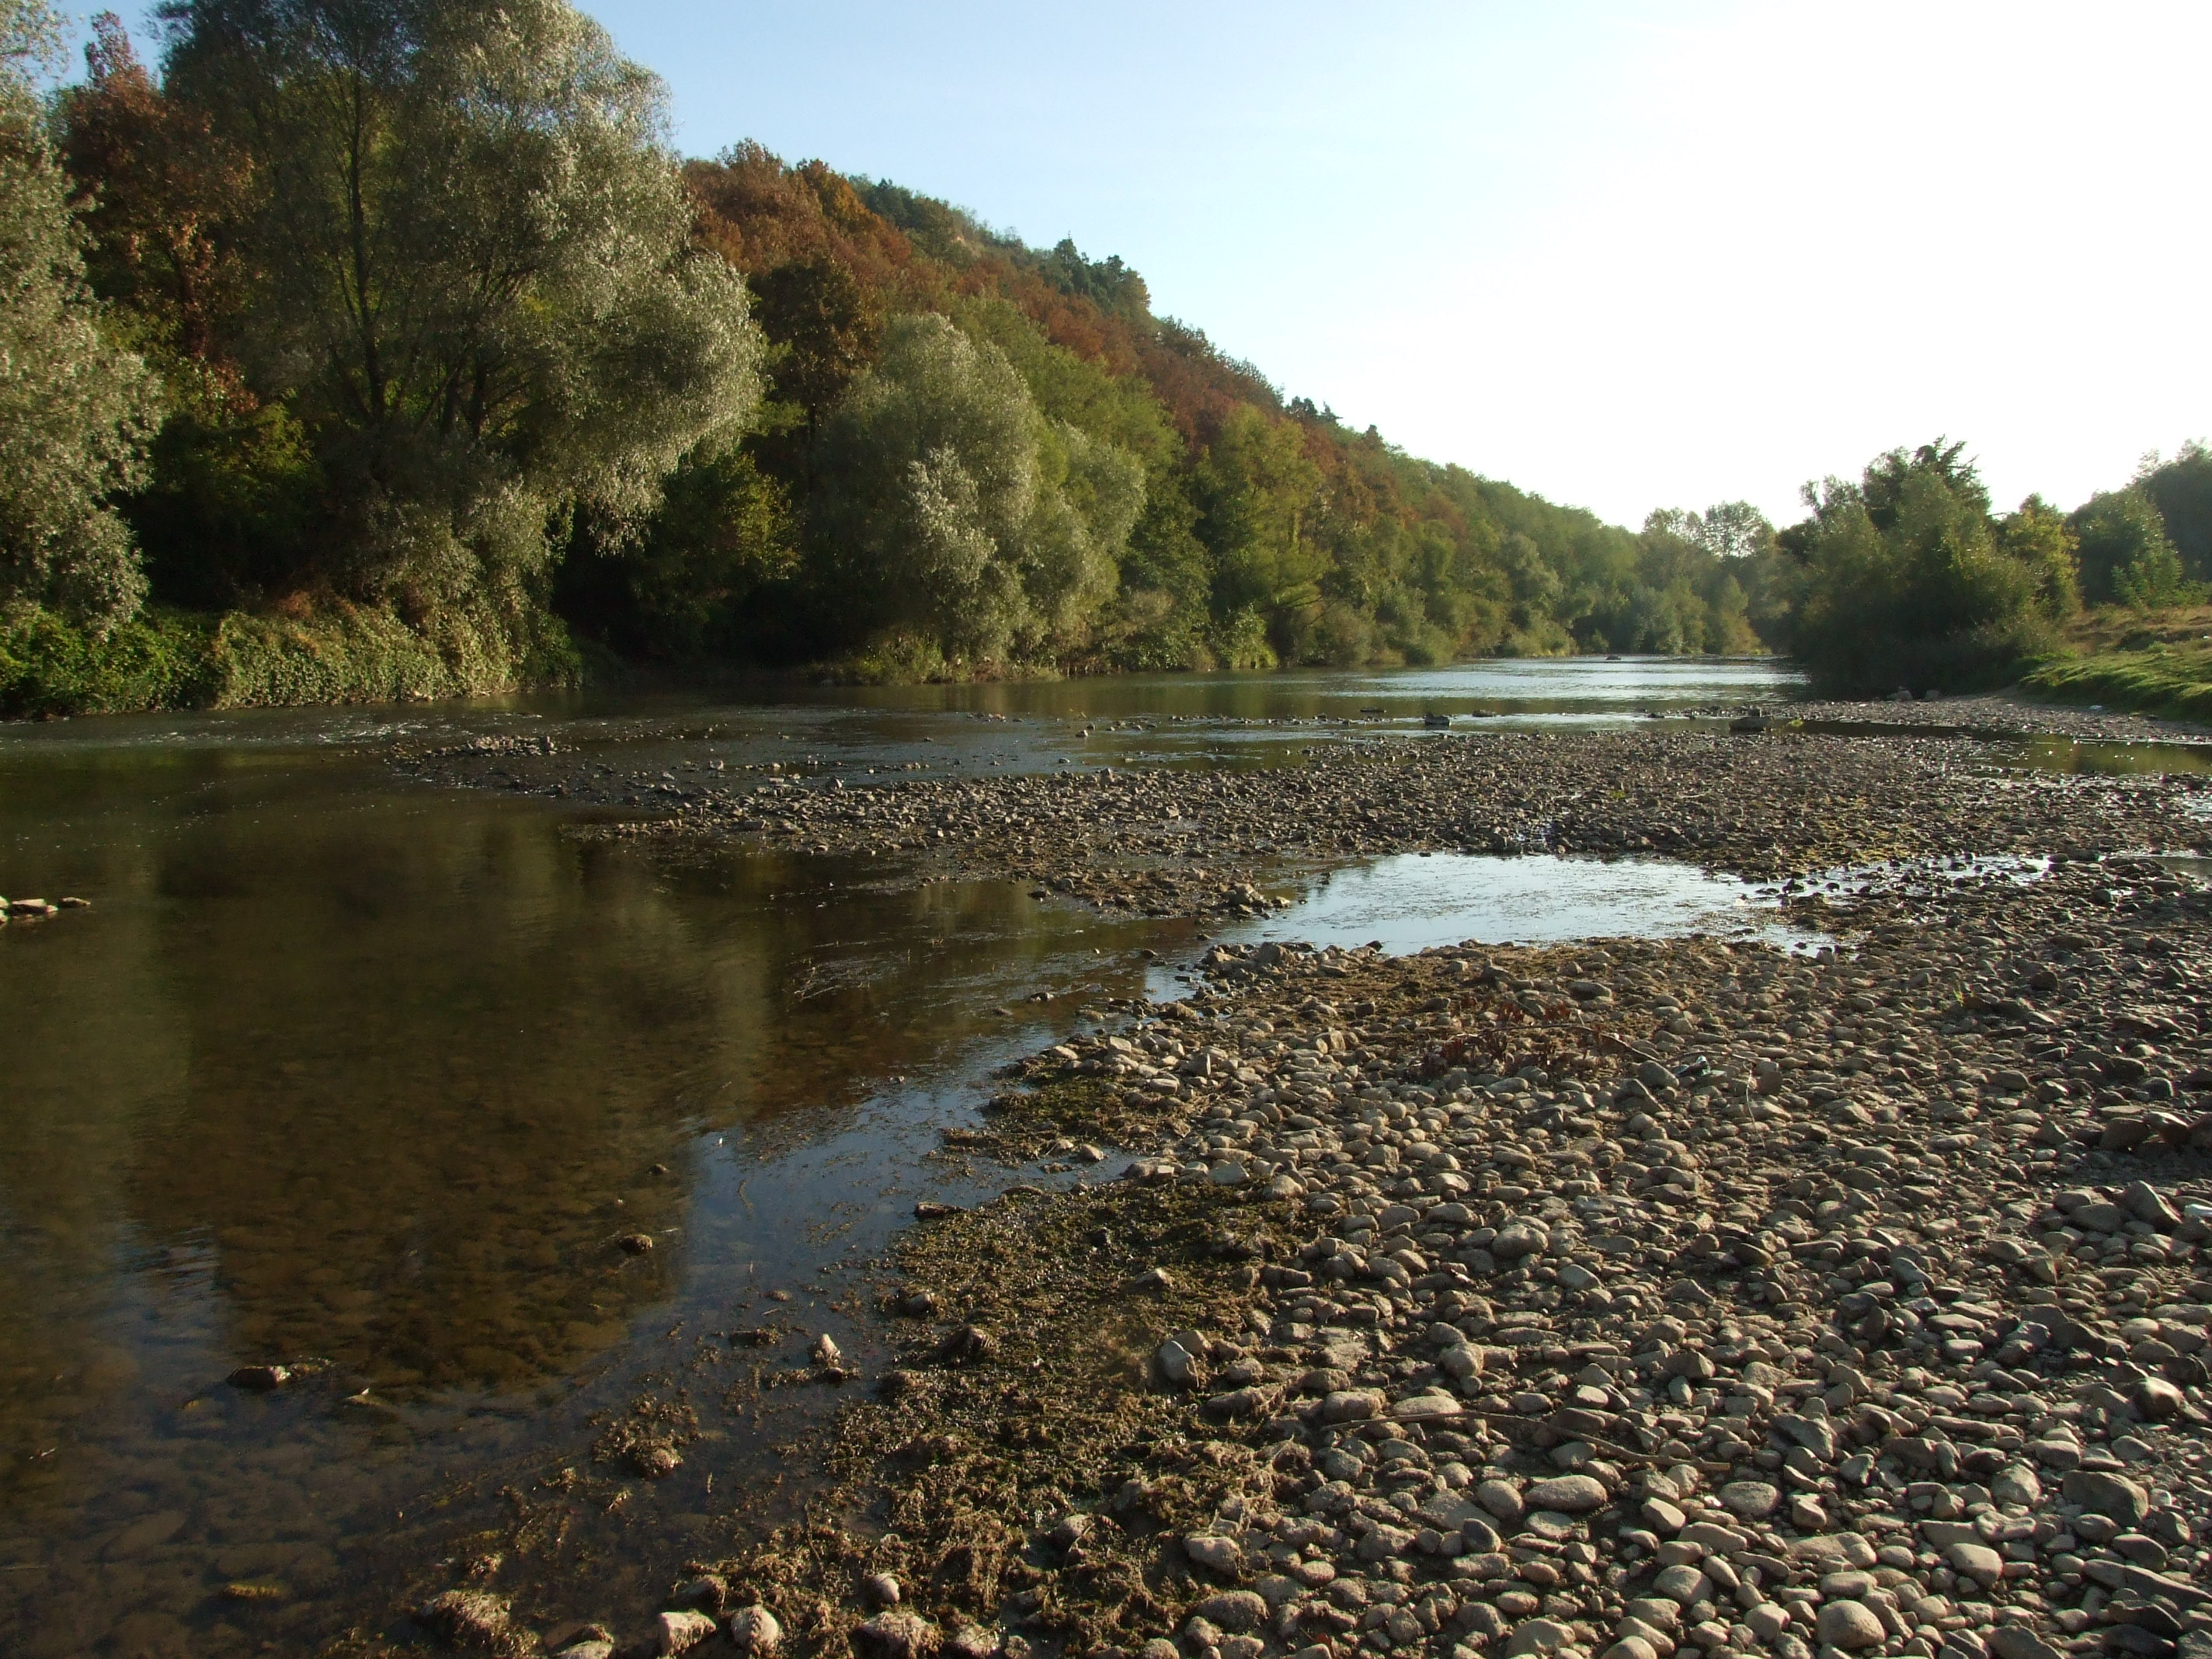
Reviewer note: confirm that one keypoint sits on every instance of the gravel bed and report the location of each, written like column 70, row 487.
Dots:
column 1643, row 1300
column 1647, row 1300
column 1199, row 842
column 1633, row 1300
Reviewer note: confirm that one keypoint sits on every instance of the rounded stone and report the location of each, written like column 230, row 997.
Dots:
column 1569, row 1494
column 1537, row 1635
column 1222, row 1555
column 1752, row 1499
column 1978, row 1561
column 1234, row 1610
column 2101, row 1494
column 1500, row 1499
column 1516, row 1239
column 1850, row 1625
column 896, row 1636
column 680, row 1632
column 754, row 1630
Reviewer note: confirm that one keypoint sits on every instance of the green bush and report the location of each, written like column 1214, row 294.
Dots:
column 159, row 660
column 2125, row 555
column 50, row 667
column 1909, row 582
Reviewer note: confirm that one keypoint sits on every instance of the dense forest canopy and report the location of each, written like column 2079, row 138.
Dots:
column 563, row 382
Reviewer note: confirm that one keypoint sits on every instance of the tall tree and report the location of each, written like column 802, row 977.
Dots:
column 164, row 197
column 76, row 410
column 2181, row 489
column 474, row 276
column 1256, row 490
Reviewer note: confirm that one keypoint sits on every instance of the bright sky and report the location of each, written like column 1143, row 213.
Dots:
column 1627, row 255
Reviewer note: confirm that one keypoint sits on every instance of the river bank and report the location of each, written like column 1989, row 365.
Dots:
column 1640, row 1297
column 2009, row 714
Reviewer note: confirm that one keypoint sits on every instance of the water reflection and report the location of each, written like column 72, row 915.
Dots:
column 2102, row 759
column 345, row 1070
column 1223, row 718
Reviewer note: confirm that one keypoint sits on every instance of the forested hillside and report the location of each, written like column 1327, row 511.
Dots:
column 293, row 415
column 1147, row 501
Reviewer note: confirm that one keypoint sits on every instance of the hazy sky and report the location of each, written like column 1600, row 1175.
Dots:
column 1625, row 255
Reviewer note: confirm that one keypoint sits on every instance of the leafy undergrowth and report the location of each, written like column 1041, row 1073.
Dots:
column 170, row 660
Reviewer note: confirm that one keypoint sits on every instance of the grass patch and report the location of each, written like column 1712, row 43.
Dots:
column 2145, row 662
column 2117, row 628
column 1021, row 1124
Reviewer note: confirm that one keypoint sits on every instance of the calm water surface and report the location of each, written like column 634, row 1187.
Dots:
column 344, row 1069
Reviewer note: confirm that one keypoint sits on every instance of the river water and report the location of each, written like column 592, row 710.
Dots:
column 371, row 1078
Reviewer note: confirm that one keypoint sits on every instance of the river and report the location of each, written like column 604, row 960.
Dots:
column 372, row 1080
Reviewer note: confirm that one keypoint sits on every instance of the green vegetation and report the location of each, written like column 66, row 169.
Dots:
column 1907, row 580
column 74, row 408
column 398, row 394
column 2175, row 682
column 289, row 414
column 2152, row 662
column 168, row 658
column 562, row 383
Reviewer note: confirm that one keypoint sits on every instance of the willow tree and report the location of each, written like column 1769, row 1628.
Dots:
column 474, row 280
column 75, row 410
column 955, row 514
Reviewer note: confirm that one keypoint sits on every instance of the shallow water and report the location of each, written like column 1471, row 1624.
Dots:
column 2109, row 759
column 345, row 1068
column 1413, row 902
column 339, row 1069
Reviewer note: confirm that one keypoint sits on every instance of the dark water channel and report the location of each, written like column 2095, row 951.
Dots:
column 344, row 1069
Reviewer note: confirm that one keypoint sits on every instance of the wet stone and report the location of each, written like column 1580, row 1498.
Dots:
column 471, row 1618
